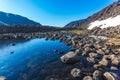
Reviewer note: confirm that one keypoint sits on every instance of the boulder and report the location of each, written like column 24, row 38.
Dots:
column 116, row 61
column 100, row 51
column 96, row 66
column 97, row 75
column 87, row 49
column 76, row 72
column 104, row 63
column 3, row 78
column 89, row 59
column 70, row 58
column 87, row 78
column 109, row 76
column 93, row 55
column 113, row 68
column 78, row 52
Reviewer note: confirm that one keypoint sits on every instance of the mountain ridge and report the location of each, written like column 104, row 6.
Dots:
column 110, row 11
column 14, row 19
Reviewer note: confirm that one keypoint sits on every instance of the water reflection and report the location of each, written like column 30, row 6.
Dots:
column 29, row 60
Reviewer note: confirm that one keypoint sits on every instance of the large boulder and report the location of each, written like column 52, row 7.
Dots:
column 3, row 78
column 109, row 76
column 76, row 72
column 97, row 75
column 70, row 58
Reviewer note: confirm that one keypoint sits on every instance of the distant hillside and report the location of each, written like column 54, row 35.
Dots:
column 12, row 19
column 108, row 17
column 75, row 23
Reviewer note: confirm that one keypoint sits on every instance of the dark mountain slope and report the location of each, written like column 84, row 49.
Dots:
column 12, row 19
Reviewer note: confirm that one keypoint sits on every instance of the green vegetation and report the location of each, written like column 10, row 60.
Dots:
column 79, row 32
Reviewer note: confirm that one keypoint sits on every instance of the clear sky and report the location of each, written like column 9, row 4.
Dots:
column 54, row 12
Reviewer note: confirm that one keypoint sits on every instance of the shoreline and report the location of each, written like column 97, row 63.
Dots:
column 103, row 59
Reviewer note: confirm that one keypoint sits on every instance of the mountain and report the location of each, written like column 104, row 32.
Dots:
column 13, row 19
column 75, row 23
column 107, row 17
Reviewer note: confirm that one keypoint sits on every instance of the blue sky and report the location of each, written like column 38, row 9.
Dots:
column 54, row 12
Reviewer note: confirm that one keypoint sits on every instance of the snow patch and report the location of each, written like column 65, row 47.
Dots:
column 98, row 37
column 110, row 22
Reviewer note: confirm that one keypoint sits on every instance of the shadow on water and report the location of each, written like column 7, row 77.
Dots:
column 31, row 60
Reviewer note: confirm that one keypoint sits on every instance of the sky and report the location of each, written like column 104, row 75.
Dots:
column 54, row 12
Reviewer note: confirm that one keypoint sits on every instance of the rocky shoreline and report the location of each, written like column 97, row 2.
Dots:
column 104, row 60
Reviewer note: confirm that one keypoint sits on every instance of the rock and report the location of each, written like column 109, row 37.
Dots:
column 84, row 53
column 116, row 75
column 96, row 66
column 106, row 57
column 3, row 78
column 46, row 38
column 93, row 50
column 11, row 52
column 76, row 72
column 73, row 40
column 13, row 44
column 72, row 49
column 87, row 49
column 112, row 56
column 61, row 52
column 55, row 51
column 113, row 68
column 109, row 76
column 70, row 58
column 104, row 48
column 92, row 60
column 97, row 46
column 107, row 51
column 87, row 78
column 100, row 51
column 116, row 61
column 77, row 52
column 97, row 75
column 93, row 55
column 104, row 63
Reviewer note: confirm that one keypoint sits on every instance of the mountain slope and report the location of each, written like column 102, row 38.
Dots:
column 75, row 23
column 107, row 17
column 12, row 19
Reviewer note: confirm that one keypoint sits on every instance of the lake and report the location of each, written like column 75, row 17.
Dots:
column 33, row 59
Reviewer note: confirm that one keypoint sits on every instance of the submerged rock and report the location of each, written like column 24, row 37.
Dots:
column 76, row 72
column 13, row 44
column 70, row 58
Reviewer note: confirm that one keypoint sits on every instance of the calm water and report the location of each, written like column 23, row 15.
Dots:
column 30, row 60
